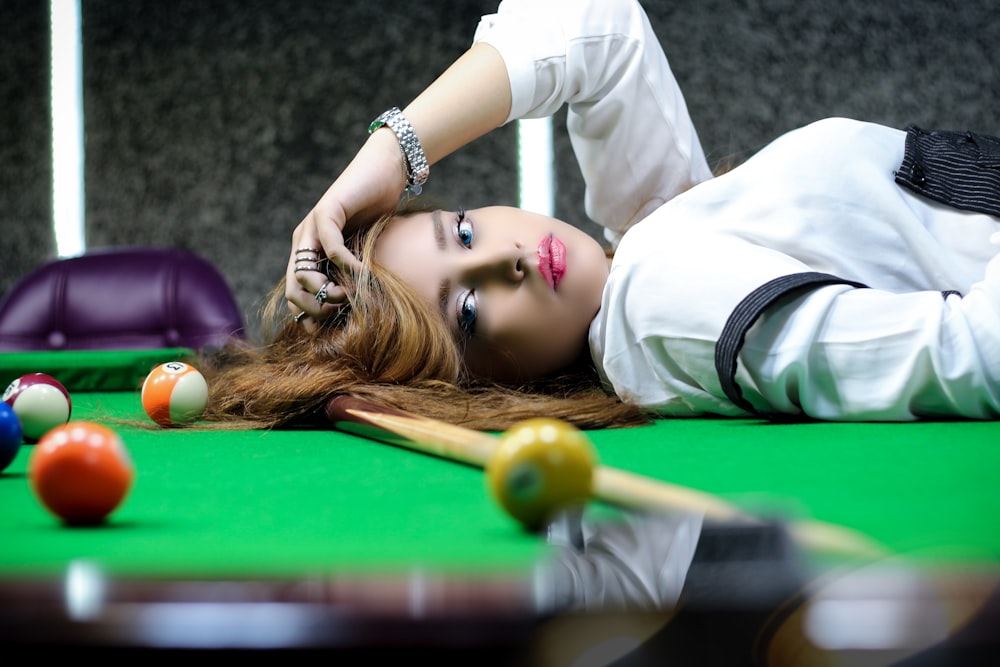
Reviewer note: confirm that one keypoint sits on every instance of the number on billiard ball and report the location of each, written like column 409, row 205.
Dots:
column 174, row 394
column 541, row 466
column 41, row 403
column 80, row 472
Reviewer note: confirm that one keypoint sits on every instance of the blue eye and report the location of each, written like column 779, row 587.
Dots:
column 467, row 314
column 463, row 228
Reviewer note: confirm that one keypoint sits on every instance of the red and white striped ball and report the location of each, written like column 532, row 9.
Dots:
column 174, row 394
column 40, row 401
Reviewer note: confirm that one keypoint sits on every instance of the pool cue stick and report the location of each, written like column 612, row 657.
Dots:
column 611, row 485
column 475, row 448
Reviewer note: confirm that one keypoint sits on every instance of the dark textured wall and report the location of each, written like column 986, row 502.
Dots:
column 25, row 139
column 215, row 125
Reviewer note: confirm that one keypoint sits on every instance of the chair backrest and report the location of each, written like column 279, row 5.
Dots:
column 120, row 298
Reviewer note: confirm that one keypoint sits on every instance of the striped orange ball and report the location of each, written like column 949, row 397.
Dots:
column 174, row 394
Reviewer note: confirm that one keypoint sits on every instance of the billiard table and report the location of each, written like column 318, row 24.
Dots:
column 314, row 539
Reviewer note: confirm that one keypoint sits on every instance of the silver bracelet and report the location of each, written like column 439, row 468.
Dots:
column 417, row 168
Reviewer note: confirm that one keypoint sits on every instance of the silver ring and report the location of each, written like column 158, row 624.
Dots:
column 315, row 268
column 321, row 294
column 315, row 250
column 296, row 318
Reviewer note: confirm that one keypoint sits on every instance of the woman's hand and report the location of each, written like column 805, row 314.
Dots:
column 371, row 184
column 367, row 189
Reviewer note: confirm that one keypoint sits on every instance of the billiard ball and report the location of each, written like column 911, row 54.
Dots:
column 10, row 435
column 80, row 472
column 174, row 394
column 540, row 467
column 41, row 403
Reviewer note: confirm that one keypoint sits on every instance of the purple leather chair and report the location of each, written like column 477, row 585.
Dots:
column 120, row 298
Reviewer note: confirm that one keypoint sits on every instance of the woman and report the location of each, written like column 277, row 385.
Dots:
column 830, row 276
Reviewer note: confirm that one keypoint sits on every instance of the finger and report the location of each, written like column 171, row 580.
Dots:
column 306, row 276
column 331, row 239
column 308, row 287
column 316, row 295
column 302, row 281
column 331, row 294
column 305, row 242
column 307, row 254
column 304, row 320
column 302, row 237
column 342, row 258
column 302, row 297
column 311, row 323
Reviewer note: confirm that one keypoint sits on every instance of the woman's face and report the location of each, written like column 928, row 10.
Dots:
column 518, row 290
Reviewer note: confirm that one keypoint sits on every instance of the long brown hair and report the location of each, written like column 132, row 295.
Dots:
column 389, row 347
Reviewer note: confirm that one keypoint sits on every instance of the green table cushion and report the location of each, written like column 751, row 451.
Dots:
column 90, row 370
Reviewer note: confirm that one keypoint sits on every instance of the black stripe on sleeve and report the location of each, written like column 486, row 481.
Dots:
column 747, row 312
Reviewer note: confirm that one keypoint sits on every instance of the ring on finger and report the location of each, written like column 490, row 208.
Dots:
column 308, row 255
column 296, row 318
column 309, row 265
column 321, row 294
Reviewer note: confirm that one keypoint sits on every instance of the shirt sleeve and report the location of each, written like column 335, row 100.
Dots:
column 628, row 122
column 848, row 354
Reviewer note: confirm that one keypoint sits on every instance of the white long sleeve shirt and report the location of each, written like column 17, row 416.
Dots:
column 820, row 199
column 602, row 58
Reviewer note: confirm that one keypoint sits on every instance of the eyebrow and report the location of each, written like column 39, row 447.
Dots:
column 438, row 229
column 444, row 289
column 444, row 293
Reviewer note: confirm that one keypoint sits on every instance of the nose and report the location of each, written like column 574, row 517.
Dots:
column 485, row 265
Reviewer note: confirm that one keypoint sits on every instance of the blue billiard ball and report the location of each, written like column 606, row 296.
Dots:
column 10, row 435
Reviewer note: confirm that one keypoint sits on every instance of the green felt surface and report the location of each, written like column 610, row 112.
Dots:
column 264, row 503
column 299, row 502
column 928, row 490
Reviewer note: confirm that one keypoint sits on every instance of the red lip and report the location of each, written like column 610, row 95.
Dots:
column 552, row 260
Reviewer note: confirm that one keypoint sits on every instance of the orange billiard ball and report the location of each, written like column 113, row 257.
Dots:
column 174, row 394
column 81, row 472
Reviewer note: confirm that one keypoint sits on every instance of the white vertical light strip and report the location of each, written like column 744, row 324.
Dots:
column 67, row 128
column 536, row 165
